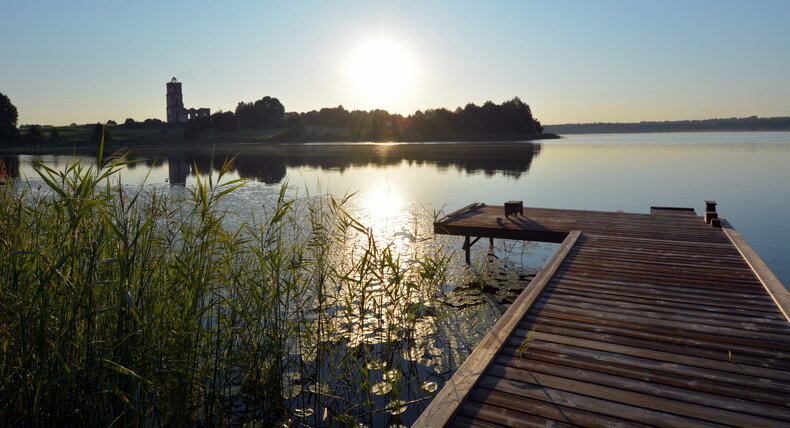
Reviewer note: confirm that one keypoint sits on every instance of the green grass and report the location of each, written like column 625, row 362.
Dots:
column 132, row 306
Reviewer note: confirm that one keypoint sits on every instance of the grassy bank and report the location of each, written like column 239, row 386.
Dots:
column 155, row 135
column 136, row 306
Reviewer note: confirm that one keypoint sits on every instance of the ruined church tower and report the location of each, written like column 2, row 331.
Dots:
column 175, row 102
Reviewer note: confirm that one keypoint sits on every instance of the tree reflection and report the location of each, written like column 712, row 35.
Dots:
column 269, row 164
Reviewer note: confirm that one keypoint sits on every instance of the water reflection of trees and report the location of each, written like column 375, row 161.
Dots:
column 9, row 165
column 269, row 164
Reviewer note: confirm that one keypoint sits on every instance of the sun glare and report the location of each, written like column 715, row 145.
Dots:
column 381, row 70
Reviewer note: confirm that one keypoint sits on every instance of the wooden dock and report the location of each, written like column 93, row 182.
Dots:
column 658, row 319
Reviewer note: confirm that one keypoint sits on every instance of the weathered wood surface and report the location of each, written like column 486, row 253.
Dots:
column 644, row 319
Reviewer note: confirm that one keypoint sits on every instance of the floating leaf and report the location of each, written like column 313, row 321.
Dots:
column 396, row 407
column 303, row 413
column 391, row 375
column 381, row 388
column 429, row 386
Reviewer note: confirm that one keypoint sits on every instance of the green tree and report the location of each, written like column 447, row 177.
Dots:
column 267, row 112
column 9, row 134
column 191, row 132
column 54, row 136
column 100, row 131
column 35, row 135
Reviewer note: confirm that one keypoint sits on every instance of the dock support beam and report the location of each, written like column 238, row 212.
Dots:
column 468, row 246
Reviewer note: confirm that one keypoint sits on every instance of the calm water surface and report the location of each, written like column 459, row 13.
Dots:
column 748, row 174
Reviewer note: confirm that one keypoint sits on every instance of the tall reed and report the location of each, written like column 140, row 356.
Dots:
column 129, row 305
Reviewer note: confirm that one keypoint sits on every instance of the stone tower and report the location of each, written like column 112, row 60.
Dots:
column 175, row 102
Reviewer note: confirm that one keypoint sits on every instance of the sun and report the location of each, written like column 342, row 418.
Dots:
column 381, row 71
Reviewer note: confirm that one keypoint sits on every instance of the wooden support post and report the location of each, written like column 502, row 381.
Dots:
column 491, row 243
column 715, row 222
column 467, row 247
column 710, row 215
column 710, row 206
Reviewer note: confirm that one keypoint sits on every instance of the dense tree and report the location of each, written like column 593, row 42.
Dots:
column 35, row 135
column 267, row 112
column 191, row 130
column 200, row 123
column 9, row 134
column 224, row 121
column 129, row 121
column 111, row 122
column 512, row 118
column 294, row 121
column 100, row 131
column 54, row 136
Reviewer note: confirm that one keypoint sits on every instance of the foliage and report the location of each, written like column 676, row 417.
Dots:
column 267, row 112
column 9, row 134
column 129, row 121
column 191, row 131
column 512, row 117
column 224, row 121
column 752, row 123
column 131, row 307
column 35, row 135
column 54, row 135
column 100, row 133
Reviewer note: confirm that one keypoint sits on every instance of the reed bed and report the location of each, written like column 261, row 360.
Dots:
column 129, row 306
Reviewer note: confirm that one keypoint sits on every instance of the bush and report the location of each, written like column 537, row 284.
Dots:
column 35, row 135
column 54, row 136
column 100, row 133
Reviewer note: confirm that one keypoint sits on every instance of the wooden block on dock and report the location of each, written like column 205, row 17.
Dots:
column 710, row 206
column 513, row 208
column 710, row 215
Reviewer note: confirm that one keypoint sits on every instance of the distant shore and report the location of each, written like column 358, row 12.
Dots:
column 139, row 135
column 734, row 124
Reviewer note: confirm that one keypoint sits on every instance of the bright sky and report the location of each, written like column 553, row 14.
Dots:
column 572, row 61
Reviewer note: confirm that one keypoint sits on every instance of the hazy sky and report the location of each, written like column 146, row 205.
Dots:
column 572, row 61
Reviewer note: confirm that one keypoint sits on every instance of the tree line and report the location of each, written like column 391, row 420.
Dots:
column 510, row 118
column 752, row 123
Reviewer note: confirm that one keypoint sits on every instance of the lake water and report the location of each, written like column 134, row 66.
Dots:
column 748, row 174
column 400, row 187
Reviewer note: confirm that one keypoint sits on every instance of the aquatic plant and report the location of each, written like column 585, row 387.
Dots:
column 136, row 305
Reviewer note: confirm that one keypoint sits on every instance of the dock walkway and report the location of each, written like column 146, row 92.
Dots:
column 638, row 319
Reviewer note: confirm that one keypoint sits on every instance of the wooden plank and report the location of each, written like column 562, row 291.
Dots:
column 550, row 413
column 567, row 397
column 447, row 402
column 521, row 380
column 767, row 356
column 673, row 211
column 584, row 376
column 645, row 361
column 650, row 376
column 669, row 344
column 471, row 207
column 502, row 416
column 774, row 287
